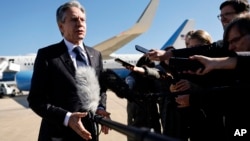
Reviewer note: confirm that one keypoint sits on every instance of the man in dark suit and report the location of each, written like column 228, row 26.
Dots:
column 53, row 94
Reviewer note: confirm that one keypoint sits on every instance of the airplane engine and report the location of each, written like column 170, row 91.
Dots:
column 23, row 80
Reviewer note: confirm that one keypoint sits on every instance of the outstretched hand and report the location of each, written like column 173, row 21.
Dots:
column 159, row 55
column 76, row 124
column 206, row 61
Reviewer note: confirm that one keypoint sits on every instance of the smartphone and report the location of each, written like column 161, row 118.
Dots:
column 180, row 64
column 124, row 63
column 141, row 49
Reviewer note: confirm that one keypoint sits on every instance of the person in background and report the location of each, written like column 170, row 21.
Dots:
column 54, row 93
column 191, row 115
column 199, row 38
column 143, row 110
column 230, row 9
column 237, row 37
column 187, row 37
column 196, row 38
column 229, row 97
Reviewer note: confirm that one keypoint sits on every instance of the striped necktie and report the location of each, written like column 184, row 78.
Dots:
column 80, row 58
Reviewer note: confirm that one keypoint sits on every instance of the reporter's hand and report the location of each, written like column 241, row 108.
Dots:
column 183, row 100
column 159, row 55
column 208, row 63
column 76, row 124
column 130, row 67
column 180, row 86
column 104, row 114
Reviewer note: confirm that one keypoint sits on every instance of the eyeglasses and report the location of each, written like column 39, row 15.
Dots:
column 225, row 15
column 236, row 39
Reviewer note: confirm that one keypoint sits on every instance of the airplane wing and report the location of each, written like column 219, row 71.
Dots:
column 178, row 38
column 109, row 46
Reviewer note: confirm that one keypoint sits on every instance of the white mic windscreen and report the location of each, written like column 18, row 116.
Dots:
column 88, row 88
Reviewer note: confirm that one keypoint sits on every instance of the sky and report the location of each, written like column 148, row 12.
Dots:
column 27, row 25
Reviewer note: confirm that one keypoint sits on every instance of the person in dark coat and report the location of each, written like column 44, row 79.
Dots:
column 54, row 93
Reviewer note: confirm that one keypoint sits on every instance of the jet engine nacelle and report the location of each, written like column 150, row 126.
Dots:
column 23, row 80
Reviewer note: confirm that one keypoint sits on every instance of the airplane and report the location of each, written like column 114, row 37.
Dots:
column 22, row 77
column 177, row 40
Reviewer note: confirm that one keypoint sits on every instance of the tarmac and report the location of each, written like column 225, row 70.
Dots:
column 19, row 123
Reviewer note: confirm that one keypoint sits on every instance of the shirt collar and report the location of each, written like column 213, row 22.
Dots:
column 71, row 46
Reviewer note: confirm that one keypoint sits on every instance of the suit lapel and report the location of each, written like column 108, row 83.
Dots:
column 65, row 58
column 90, row 56
column 68, row 63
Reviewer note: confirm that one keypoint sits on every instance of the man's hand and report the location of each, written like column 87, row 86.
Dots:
column 104, row 114
column 76, row 124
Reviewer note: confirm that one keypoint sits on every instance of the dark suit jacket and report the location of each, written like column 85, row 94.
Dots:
column 53, row 90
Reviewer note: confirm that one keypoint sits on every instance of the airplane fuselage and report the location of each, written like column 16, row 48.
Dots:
column 23, row 77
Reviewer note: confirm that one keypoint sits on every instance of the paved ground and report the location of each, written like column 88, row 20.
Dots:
column 19, row 123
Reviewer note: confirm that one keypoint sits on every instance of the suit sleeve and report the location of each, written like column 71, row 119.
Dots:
column 103, row 94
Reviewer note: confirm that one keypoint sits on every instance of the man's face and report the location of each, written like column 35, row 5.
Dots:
column 227, row 15
column 74, row 26
column 237, row 41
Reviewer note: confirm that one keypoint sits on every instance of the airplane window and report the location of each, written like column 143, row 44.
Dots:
column 11, row 60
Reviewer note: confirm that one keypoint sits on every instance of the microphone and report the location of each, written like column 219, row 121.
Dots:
column 113, row 82
column 88, row 88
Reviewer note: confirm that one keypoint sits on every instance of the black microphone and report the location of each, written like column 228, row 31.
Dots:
column 113, row 82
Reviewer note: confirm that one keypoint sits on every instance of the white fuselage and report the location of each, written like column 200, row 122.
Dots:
column 26, row 62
